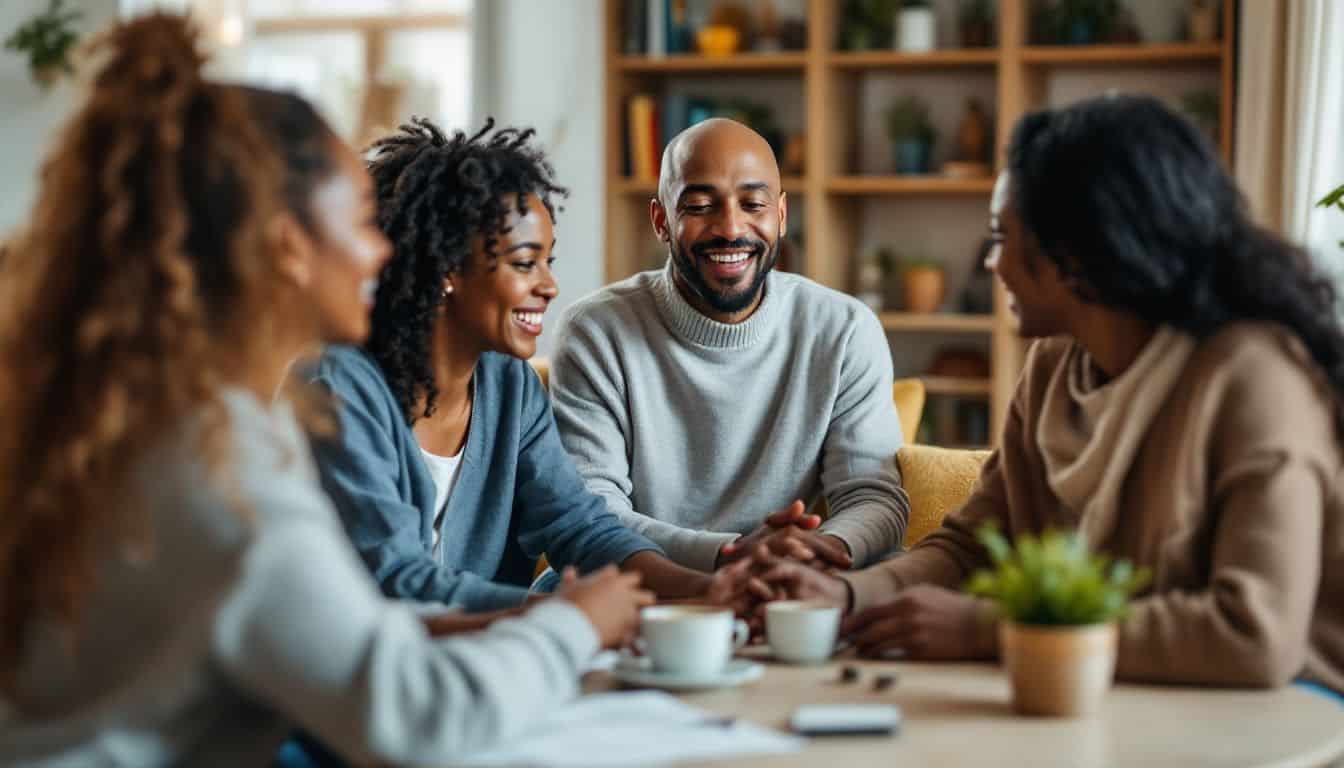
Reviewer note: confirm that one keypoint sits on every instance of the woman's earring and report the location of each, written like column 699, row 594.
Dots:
column 447, row 290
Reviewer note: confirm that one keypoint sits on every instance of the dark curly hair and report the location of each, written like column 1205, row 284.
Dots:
column 1132, row 201
column 435, row 193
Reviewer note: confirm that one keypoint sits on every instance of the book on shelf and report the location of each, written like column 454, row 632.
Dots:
column 643, row 140
column 656, row 27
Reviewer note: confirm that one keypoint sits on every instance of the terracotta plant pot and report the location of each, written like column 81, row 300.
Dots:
column 923, row 289
column 1058, row 671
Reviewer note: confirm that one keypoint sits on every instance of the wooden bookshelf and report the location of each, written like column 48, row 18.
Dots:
column 745, row 62
column 837, row 200
column 949, row 59
column 909, row 185
column 937, row 322
column 1122, row 55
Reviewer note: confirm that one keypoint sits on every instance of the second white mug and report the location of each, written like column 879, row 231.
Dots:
column 801, row 632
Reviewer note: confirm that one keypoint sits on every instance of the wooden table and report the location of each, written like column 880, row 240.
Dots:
column 960, row 715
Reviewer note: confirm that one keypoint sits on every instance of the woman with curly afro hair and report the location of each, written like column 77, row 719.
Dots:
column 448, row 470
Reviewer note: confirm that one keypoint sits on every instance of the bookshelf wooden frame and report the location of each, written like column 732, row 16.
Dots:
column 834, row 196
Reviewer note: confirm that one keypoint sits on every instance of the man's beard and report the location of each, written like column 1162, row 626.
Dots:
column 725, row 302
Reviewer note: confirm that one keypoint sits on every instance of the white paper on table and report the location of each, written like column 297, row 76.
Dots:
column 632, row 728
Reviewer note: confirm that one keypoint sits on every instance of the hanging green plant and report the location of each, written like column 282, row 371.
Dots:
column 47, row 39
column 1334, row 199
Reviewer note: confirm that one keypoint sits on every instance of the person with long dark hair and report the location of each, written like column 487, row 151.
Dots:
column 175, row 589
column 1183, row 409
column 448, row 470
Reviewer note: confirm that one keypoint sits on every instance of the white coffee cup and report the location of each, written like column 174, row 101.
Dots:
column 801, row 632
column 691, row 640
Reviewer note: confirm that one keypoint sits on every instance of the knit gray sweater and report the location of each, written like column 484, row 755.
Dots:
column 693, row 430
column 211, row 645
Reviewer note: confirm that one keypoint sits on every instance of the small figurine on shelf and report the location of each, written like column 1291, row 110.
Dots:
column 976, row 23
column 767, row 27
column 916, row 27
column 735, row 15
column 972, row 145
column 911, row 134
column 793, row 34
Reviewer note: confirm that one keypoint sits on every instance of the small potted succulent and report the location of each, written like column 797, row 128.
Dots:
column 923, row 285
column 47, row 40
column 1058, row 605
column 976, row 23
column 911, row 133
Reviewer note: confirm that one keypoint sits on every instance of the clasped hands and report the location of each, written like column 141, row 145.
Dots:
column 793, row 562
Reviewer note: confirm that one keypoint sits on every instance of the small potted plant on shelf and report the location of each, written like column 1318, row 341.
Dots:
column 975, row 22
column 916, row 27
column 867, row 24
column 923, row 285
column 911, row 133
column 1075, row 22
column 1058, row 605
column 47, row 39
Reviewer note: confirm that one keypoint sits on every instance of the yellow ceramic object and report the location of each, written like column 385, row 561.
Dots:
column 718, row 40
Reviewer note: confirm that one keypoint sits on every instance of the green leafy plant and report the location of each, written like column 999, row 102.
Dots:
column 1336, row 199
column 47, row 39
column 908, row 118
column 1053, row 580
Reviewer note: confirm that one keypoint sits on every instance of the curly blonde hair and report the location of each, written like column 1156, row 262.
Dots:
column 145, row 258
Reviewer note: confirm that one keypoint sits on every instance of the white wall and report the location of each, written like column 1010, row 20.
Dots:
column 541, row 66
column 30, row 118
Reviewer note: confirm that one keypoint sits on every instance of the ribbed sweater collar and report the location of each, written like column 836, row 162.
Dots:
column 692, row 326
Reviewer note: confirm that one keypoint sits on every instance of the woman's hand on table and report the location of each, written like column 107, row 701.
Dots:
column 611, row 600
column 924, row 622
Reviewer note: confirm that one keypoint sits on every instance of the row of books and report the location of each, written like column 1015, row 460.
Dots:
column 656, row 27
column 652, row 122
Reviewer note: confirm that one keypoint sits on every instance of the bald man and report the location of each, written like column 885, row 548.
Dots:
column 706, row 400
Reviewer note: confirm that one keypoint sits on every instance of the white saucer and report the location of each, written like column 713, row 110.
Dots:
column 634, row 670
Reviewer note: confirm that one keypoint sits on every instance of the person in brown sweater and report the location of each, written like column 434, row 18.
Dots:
column 1182, row 410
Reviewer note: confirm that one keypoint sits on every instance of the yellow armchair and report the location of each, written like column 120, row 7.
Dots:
column 908, row 396
column 937, row 480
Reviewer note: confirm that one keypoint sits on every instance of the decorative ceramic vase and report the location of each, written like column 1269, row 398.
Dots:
column 923, row 289
column 1058, row 671
column 916, row 30
column 912, row 156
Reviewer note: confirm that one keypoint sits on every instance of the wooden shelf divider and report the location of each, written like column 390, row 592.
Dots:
column 931, row 184
column 944, row 59
column 937, row 322
column 1121, row 55
column 688, row 62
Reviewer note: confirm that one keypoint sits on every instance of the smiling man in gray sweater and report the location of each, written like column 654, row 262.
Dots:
column 701, row 398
